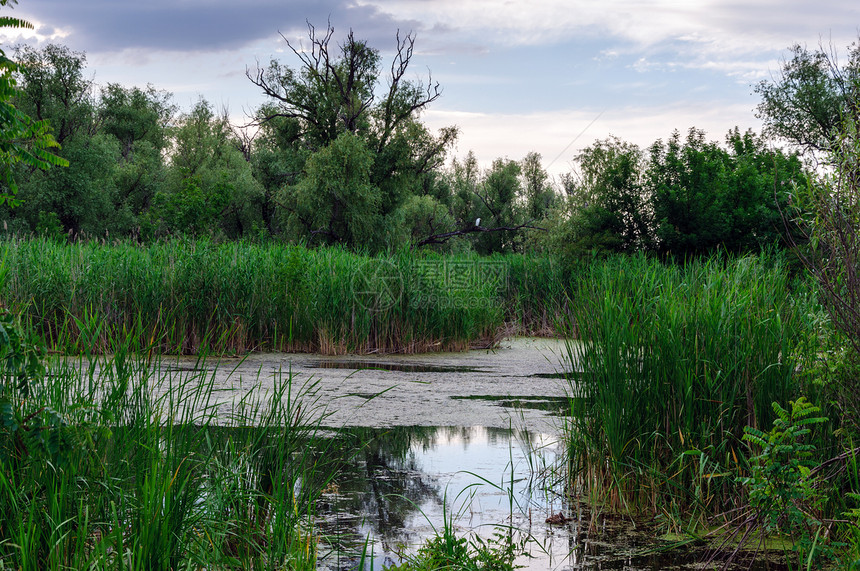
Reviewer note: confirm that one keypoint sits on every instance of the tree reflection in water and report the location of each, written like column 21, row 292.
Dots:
column 392, row 481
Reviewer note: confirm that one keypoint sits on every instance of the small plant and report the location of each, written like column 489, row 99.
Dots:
column 447, row 551
column 783, row 496
column 779, row 486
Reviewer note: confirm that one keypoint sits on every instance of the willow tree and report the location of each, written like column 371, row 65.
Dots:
column 335, row 91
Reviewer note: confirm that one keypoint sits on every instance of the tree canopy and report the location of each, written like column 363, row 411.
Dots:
column 339, row 155
column 807, row 101
column 22, row 139
column 333, row 100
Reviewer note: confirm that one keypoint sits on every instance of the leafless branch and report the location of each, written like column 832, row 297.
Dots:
column 445, row 236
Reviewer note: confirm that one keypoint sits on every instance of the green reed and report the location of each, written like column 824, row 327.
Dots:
column 186, row 296
column 117, row 463
column 675, row 361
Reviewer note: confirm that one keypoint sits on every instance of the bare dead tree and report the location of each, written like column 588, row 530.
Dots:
column 334, row 90
column 443, row 237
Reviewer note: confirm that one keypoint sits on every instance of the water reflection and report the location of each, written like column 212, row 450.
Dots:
column 397, row 486
column 402, row 483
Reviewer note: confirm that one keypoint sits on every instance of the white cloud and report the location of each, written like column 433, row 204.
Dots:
column 491, row 136
column 697, row 21
column 690, row 31
column 40, row 33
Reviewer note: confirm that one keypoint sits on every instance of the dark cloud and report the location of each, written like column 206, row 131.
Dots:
column 201, row 25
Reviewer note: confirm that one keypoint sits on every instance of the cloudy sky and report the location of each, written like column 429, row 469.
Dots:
column 545, row 75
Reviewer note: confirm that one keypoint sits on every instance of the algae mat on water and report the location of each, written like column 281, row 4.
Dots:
column 409, row 390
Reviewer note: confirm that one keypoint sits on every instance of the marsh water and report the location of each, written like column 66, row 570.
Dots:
column 403, row 484
column 469, row 440
column 406, row 482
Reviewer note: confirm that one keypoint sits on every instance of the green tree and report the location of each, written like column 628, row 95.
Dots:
column 706, row 197
column 210, row 186
column 84, row 196
column 424, row 216
column 807, row 102
column 335, row 91
column 465, row 179
column 278, row 158
column 54, row 88
column 336, row 202
column 22, row 139
column 538, row 194
column 139, row 119
column 497, row 208
column 609, row 201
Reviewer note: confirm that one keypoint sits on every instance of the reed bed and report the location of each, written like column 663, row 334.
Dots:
column 109, row 463
column 675, row 361
column 191, row 296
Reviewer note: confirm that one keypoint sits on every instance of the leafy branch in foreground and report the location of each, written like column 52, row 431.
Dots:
column 784, row 493
column 22, row 140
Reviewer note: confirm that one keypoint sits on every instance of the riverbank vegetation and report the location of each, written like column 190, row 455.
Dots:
column 189, row 296
column 719, row 399
column 359, row 170
column 109, row 463
column 716, row 387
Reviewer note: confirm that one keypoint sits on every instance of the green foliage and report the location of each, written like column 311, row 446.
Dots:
column 22, row 139
column 447, row 551
column 332, row 97
column 190, row 209
column 336, row 201
column 139, row 120
column 134, row 116
column 496, row 206
column 827, row 208
column 422, row 216
column 853, row 511
column 84, row 196
column 811, row 97
column 675, row 358
column 609, row 199
column 20, row 356
column 779, row 483
column 54, row 88
column 538, row 194
column 706, row 198
column 188, row 296
column 682, row 198
column 49, row 226
column 106, row 466
column 782, row 492
column 209, row 185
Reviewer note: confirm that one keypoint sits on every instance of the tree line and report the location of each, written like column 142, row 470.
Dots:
column 338, row 155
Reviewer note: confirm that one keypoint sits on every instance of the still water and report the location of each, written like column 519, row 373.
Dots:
column 409, row 465
column 401, row 484
column 406, row 482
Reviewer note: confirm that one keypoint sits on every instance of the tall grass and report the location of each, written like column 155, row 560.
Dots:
column 110, row 464
column 189, row 296
column 675, row 361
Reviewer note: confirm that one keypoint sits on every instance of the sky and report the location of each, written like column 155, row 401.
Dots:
column 549, row 76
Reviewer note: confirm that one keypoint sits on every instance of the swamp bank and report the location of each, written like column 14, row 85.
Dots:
column 703, row 399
